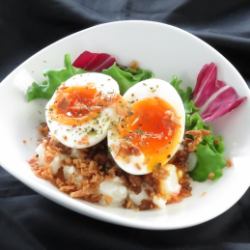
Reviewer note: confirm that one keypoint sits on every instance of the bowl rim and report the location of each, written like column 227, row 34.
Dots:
column 94, row 212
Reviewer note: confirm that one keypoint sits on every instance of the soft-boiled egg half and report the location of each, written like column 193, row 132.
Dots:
column 148, row 126
column 78, row 114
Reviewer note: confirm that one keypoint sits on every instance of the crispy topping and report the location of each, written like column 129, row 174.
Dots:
column 134, row 65
column 94, row 165
column 197, row 137
column 127, row 149
column 43, row 129
column 229, row 163
column 107, row 199
column 147, row 205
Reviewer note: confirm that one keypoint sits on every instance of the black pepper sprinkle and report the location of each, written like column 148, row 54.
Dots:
column 158, row 165
column 92, row 132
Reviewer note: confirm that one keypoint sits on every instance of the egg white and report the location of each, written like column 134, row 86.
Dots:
column 95, row 129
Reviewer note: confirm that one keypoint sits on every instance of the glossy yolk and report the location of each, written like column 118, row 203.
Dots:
column 153, row 127
column 76, row 105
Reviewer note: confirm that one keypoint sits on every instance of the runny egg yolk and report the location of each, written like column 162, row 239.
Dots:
column 154, row 128
column 76, row 105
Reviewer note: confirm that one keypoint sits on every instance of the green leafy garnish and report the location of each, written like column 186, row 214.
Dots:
column 210, row 152
column 185, row 94
column 193, row 118
column 195, row 122
column 54, row 78
column 127, row 77
column 210, row 159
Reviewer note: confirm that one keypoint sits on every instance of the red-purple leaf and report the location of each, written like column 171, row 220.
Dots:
column 214, row 96
column 208, row 91
column 199, row 79
column 94, row 61
column 208, row 84
column 225, row 102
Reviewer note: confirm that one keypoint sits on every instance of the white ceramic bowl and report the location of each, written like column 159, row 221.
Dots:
column 166, row 51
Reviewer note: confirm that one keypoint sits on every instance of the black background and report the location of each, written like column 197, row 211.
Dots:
column 29, row 221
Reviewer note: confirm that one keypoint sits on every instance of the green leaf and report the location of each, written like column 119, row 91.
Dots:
column 185, row 94
column 210, row 159
column 195, row 122
column 54, row 78
column 127, row 77
column 216, row 143
column 210, row 152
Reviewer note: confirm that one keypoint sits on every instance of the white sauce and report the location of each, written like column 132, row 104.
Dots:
column 114, row 189
column 40, row 151
column 137, row 198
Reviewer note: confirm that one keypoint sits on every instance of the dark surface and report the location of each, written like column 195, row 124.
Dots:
column 29, row 221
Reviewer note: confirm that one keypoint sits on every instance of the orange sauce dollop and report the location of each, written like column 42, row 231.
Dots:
column 154, row 128
column 76, row 105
